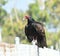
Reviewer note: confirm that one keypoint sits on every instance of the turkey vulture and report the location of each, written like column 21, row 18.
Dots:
column 35, row 31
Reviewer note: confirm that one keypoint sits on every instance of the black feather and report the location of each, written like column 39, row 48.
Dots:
column 35, row 30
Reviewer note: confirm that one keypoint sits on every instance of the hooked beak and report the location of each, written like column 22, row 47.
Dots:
column 23, row 18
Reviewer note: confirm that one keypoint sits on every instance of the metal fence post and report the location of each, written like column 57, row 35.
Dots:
column 17, row 40
column 37, row 51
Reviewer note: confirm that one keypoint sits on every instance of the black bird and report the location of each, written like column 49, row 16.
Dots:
column 35, row 31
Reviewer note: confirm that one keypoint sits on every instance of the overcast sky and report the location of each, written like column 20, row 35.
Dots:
column 19, row 4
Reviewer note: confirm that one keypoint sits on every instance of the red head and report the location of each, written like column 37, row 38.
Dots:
column 27, row 17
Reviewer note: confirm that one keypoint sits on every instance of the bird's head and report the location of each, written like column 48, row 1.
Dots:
column 30, row 19
column 27, row 17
